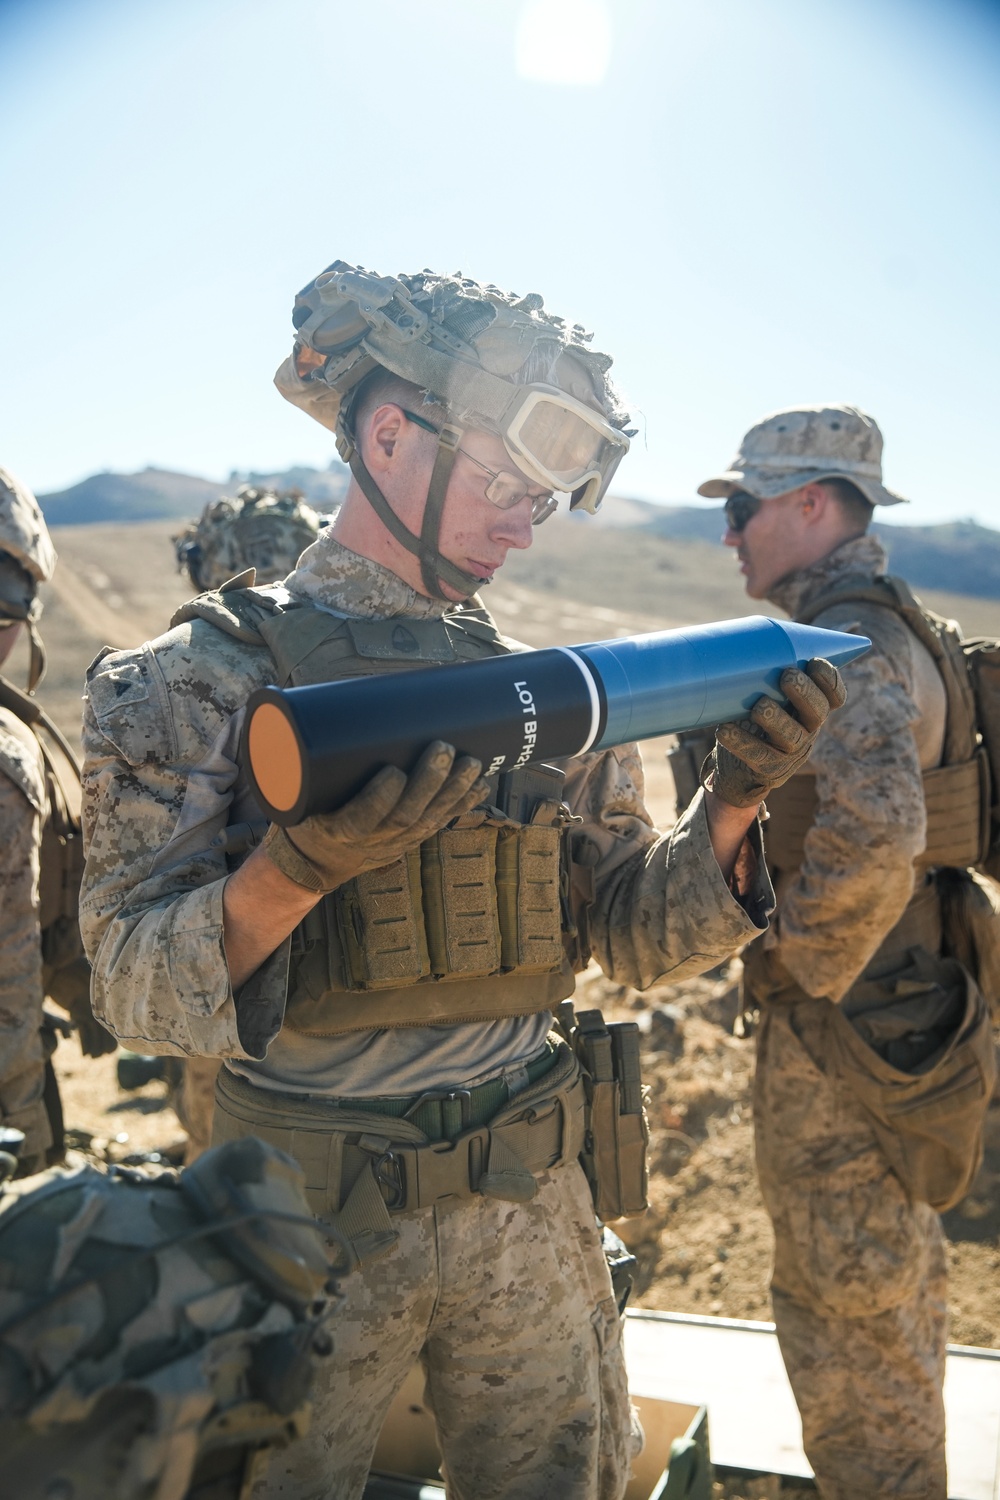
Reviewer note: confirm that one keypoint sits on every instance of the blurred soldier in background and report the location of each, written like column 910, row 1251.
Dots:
column 158, row 1334
column 267, row 531
column 41, row 859
column 874, row 1060
column 381, row 980
column 261, row 529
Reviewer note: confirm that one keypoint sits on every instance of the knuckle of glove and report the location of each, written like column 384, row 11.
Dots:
column 828, row 679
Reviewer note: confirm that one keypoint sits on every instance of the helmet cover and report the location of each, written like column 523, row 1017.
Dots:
column 257, row 528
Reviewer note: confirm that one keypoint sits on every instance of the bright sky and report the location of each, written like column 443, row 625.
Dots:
column 754, row 203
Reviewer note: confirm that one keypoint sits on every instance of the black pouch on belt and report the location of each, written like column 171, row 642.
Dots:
column 615, row 1128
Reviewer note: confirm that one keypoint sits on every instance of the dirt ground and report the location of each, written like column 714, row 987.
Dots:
column 705, row 1245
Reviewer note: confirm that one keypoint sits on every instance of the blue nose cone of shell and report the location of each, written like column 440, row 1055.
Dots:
column 673, row 680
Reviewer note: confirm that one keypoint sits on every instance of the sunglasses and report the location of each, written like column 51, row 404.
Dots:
column 739, row 509
column 504, row 490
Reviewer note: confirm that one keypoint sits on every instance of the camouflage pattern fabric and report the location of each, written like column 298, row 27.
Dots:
column 509, row 1305
column 859, row 1287
column 871, row 824
column 22, row 1060
column 520, row 1416
column 193, row 1101
column 157, row 1334
column 162, row 781
column 23, row 532
column 801, row 445
column 258, row 529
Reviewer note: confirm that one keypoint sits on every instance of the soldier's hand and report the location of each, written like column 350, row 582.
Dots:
column 391, row 815
column 757, row 754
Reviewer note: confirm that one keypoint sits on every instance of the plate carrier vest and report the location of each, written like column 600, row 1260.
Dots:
column 476, row 924
column 957, row 794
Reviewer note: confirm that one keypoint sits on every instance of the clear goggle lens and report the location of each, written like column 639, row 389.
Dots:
column 562, row 443
column 566, row 445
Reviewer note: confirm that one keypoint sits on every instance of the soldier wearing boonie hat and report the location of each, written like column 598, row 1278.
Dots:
column 854, row 998
column 803, row 446
column 27, row 558
column 383, row 1012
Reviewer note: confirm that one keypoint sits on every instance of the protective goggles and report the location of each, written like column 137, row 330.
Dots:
column 739, row 509
column 564, row 444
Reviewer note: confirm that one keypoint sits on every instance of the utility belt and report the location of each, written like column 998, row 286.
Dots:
column 365, row 1160
column 362, row 1164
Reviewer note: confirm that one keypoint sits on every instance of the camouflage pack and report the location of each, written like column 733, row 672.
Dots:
column 157, row 1334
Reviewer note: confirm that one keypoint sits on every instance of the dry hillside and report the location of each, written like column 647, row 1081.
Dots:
column 705, row 1245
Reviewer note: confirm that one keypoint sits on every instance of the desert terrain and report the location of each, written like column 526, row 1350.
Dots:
column 704, row 1246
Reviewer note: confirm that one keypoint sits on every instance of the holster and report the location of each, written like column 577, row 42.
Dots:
column 616, row 1132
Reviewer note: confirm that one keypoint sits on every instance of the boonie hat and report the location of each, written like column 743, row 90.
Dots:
column 802, row 445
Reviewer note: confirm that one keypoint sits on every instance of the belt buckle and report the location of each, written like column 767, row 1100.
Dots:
column 444, row 1096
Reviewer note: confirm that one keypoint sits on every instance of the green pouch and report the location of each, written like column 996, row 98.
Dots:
column 528, row 898
column 616, row 1132
column 927, row 1108
column 380, row 923
column 458, row 875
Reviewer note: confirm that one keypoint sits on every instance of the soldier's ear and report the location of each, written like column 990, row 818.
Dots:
column 813, row 502
column 385, row 427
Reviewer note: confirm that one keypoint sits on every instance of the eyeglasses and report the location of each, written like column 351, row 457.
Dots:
column 739, row 509
column 504, row 490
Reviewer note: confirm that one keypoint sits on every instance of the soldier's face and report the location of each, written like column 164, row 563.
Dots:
column 772, row 544
column 475, row 534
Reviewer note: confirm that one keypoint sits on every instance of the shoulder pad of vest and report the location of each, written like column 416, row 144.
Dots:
column 21, row 759
column 475, row 619
column 237, row 610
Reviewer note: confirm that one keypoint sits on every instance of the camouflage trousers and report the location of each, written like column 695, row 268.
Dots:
column 509, row 1310
column 22, row 1083
column 859, row 1283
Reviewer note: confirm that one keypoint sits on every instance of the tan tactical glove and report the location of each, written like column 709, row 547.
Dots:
column 391, row 815
column 757, row 754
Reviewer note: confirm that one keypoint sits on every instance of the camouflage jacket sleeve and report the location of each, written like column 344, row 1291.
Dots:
column 658, row 906
column 857, row 876
column 22, row 800
column 161, row 732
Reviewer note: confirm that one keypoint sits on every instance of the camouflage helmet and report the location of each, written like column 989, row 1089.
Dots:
column 27, row 558
column 157, row 1333
column 492, row 359
column 258, row 528
column 23, row 532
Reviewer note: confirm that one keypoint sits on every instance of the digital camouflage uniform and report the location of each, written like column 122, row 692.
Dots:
column 507, row 1304
column 22, row 1060
column 859, row 1284
column 266, row 531
column 27, row 558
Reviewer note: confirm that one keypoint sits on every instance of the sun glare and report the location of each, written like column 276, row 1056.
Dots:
column 563, row 41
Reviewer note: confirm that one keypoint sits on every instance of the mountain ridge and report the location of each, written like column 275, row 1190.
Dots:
column 956, row 556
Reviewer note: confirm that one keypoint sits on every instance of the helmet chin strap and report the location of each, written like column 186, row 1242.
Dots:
column 434, row 569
